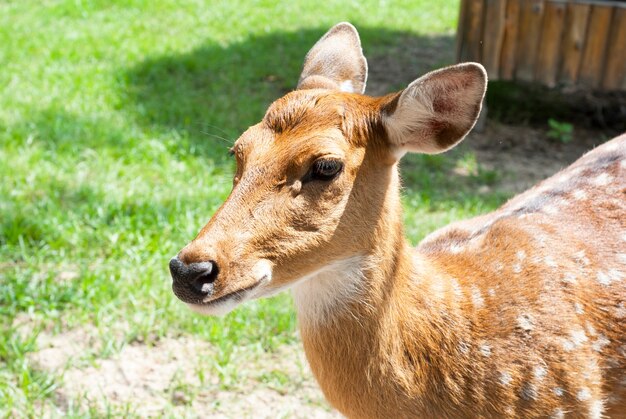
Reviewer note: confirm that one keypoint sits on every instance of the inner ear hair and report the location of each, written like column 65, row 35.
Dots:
column 436, row 111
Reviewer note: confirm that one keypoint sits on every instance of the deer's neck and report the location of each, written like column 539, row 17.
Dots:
column 371, row 320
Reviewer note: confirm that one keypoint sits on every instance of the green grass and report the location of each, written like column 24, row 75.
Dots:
column 115, row 118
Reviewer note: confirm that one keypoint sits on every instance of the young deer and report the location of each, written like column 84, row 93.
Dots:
column 517, row 313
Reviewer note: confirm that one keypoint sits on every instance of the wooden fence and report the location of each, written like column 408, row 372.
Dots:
column 553, row 42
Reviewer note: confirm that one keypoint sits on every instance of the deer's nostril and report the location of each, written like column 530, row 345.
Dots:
column 204, row 283
column 200, row 276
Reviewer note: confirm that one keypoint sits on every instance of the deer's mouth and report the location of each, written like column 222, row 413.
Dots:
column 225, row 303
column 238, row 295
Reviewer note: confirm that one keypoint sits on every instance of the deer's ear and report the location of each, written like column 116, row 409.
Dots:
column 336, row 62
column 436, row 111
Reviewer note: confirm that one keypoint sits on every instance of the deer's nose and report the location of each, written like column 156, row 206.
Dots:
column 194, row 280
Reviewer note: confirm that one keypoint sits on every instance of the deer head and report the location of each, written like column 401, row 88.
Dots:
column 316, row 181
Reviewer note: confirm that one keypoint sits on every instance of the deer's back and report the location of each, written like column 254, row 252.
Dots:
column 544, row 278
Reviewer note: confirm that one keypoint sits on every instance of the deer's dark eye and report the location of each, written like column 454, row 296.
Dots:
column 325, row 169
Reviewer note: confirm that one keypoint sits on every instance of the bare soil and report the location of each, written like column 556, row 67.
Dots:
column 524, row 155
column 172, row 377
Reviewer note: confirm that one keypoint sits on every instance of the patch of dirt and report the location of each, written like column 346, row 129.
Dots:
column 525, row 155
column 177, row 376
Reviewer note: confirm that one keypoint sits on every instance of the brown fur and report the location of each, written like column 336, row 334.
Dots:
column 517, row 313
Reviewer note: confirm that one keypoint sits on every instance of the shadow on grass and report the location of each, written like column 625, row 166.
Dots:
column 223, row 90
column 213, row 93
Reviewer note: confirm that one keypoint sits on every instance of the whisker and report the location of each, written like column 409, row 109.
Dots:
column 226, row 140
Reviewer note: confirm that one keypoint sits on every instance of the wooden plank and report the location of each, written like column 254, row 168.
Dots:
column 495, row 15
column 471, row 48
column 573, row 41
column 592, row 64
column 509, row 43
column 460, row 30
column 615, row 66
column 550, row 43
column 531, row 16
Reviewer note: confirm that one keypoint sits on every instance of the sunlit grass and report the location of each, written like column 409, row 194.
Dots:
column 115, row 118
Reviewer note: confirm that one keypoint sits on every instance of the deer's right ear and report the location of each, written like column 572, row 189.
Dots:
column 336, row 62
column 436, row 111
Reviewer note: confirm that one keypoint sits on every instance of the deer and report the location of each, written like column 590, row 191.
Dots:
column 516, row 313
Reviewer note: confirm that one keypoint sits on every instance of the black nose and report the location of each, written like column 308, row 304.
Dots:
column 193, row 280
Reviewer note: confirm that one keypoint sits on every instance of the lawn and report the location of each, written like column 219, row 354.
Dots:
column 115, row 121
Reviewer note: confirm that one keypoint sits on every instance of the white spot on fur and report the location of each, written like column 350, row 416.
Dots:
column 550, row 209
column 485, row 350
column 558, row 414
column 505, row 378
column 346, row 86
column 583, row 394
column 577, row 338
column 569, row 278
column 603, row 278
column 622, row 258
column 491, row 292
column 579, row 194
column 456, row 248
column 568, row 346
column 540, row 372
column 601, row 180
column 579, row 308
column 525, row 323
column 520, row 254
column 477, row 297
column 549, row 260
column 456, row 288
column 600, row 343
column 558, row 391
column 517, row 268
column 464, row 348
column 590, row 329
column 437, row 289
column 606, row 278
column 319, row 293
column 596, row 409
column 616, row 275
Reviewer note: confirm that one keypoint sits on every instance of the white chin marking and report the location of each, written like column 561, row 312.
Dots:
column 218, row 309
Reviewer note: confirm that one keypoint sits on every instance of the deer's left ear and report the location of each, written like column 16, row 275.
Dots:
column 436, row 111
column 336, row 62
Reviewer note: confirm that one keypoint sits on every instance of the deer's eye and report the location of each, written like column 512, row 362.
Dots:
column 325, row 169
